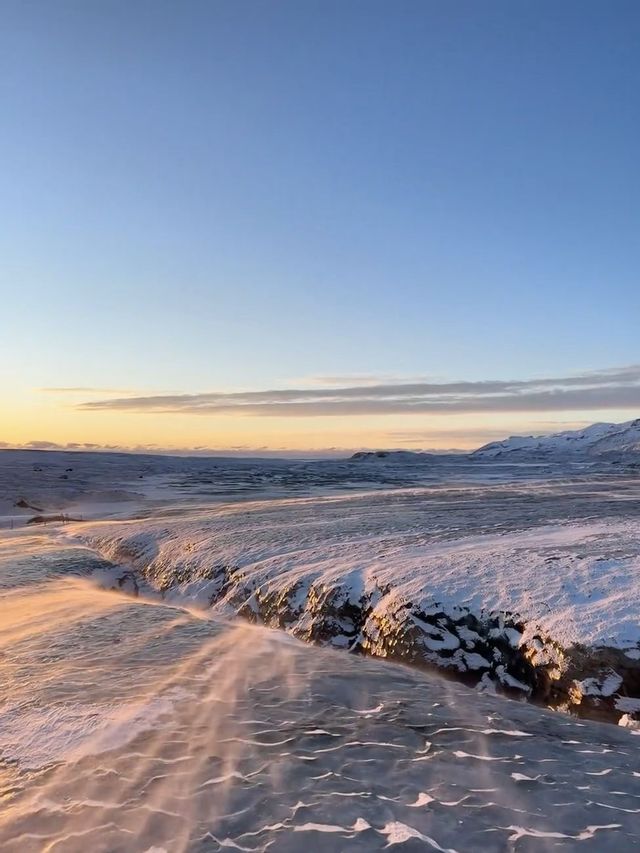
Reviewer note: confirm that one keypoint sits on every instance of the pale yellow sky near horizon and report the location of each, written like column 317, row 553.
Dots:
column 249, row 220
column 38, row 416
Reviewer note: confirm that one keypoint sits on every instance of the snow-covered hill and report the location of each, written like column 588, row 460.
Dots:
column 484, row 583
column 595, row 440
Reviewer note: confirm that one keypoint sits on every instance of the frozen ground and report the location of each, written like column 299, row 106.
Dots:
column 157, row 722
column 505, row 584
column 120, row 484
column 520, row 577
column 131, row 727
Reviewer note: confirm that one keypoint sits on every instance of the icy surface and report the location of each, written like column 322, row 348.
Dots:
column 147, row 728
column 502, row 573
column 577, row 581
column 163, row 723
column 99, row 485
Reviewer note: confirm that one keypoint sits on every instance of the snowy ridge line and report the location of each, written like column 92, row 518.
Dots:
column 596, row 440
column 540, row 613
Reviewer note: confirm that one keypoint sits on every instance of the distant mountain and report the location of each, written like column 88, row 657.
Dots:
column 594, row 440
column 410, row 456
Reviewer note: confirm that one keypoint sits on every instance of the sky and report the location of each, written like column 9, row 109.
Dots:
column 303, row 225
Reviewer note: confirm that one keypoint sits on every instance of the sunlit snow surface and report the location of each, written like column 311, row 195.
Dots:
column 130, row 725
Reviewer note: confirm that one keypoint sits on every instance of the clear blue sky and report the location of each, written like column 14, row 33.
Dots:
column 203, row 196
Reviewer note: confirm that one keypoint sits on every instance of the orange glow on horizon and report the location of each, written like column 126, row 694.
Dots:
column 34, row 416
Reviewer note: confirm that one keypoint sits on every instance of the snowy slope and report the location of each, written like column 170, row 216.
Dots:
column 561, row 579
column 533, row 587
column 593, row 440
column 527, row 583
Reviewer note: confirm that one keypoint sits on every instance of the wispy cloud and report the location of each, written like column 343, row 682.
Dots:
column 42, row 445
column 612, row 388
column 239, row 451
column 83, row 389
column 54, row 445
column 427, row 438
column 472, row 435
column 359, row 380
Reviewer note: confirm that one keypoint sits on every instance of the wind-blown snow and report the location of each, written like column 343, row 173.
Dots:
column 560, row 578
column 485, row 572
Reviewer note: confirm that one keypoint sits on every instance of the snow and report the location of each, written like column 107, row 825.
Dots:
column 563, row 554
column 600, row 438
column 118, row 485
column 601, row 687
column 463, row 570
column 555, row 577
column 37, row 736
column 628, row 704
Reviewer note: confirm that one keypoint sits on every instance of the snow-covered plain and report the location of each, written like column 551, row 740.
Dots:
column 129, row 728
column 455, row 577
column 157, row 720
column 523, row 577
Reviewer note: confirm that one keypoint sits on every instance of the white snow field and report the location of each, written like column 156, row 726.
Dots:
column 440, row 576
column 141, row 711
column 561, row 579
column 517, row 577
